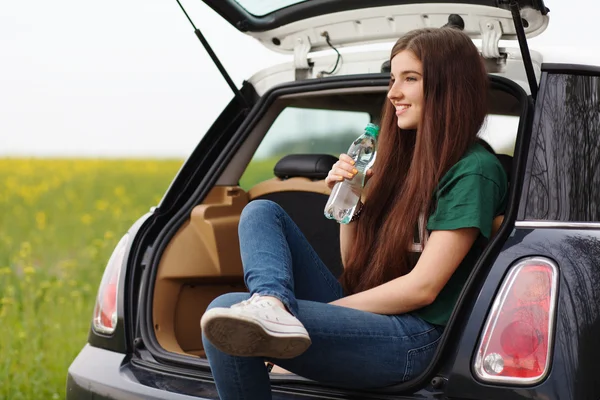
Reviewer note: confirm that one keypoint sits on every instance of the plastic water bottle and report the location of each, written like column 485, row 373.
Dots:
column 345, row 194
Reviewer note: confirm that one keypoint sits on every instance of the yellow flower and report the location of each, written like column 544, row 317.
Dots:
column 119, row 191
column 29, row 270
column 25, row 250
column 86, row 219
column 101, row 205
column 7, row 301
column 40, row 219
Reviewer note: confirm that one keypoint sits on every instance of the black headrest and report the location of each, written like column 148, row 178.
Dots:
column 313, row 166
column 506, row 162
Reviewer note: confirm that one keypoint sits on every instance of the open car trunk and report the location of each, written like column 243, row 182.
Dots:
column 202, row 260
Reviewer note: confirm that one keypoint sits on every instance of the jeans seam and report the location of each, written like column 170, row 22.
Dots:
column 287, row 268
column 238, row 383
column 419, row 334
column 417, row 350
column 350, row 335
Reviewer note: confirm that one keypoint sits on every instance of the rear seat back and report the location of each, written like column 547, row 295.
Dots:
column 299, row 188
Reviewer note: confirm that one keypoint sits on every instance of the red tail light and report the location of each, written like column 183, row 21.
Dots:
column 517, row 339
column 105, row 311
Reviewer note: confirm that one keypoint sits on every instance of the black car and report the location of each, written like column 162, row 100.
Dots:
column 527, row 325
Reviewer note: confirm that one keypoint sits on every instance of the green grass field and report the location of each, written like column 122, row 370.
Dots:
column 59, row 223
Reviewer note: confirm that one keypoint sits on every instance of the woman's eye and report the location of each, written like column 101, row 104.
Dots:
column 411, row 79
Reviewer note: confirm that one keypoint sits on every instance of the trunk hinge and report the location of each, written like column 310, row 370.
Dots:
column 238, row 94
column 491, row 32
column 302, row 66
column 516, row 14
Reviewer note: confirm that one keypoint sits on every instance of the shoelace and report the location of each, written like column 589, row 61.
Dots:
column 259, row 302
column 255, row 300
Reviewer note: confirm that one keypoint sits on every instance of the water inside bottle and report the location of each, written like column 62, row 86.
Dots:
column 345, row 195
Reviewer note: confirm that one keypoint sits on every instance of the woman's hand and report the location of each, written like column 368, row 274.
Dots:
column 343, row 169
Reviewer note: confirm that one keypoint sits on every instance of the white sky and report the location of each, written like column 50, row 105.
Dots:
column 130, row 78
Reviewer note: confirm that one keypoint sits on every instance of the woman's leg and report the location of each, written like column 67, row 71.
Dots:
column 350, row 349
column 362, row 350
column 278, row 260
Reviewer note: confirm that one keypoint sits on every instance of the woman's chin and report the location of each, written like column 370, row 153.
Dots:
column 406, row 126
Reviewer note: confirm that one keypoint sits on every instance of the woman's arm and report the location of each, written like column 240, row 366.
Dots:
column 347, row 234
column 443, row 253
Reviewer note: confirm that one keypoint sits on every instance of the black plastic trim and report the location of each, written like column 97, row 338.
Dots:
column 525, row 54
column 246, row 22
column 534, row 132
column 571, row 69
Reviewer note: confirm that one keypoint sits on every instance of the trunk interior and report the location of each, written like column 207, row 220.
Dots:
column 202, row 260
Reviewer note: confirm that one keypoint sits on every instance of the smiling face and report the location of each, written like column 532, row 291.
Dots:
column 406, row 91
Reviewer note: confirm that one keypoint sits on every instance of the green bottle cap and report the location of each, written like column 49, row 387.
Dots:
column 372, row 130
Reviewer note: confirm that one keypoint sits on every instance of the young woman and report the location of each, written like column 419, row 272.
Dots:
column 428, row 211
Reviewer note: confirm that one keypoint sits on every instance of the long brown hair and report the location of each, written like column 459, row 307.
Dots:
column 410, row 164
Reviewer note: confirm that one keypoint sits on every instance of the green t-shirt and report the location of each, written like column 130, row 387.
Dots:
column 470, row 194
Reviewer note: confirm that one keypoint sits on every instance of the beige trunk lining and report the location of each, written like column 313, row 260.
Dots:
column 201, row 262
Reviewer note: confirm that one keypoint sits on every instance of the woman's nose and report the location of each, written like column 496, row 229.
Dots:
column 394, row 93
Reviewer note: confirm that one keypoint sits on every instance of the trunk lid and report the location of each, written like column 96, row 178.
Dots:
column 292, row 26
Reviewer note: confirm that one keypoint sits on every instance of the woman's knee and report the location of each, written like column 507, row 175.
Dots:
column 260, row 210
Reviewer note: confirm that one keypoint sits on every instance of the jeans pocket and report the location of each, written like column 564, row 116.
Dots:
column 418, row 359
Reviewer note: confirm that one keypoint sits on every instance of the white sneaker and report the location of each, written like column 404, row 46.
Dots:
column 256, row 328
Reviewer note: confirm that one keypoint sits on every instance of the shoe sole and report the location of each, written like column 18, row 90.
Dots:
column 243, row 337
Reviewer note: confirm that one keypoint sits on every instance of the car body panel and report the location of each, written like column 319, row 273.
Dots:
column 575, row 352
column 102, row 374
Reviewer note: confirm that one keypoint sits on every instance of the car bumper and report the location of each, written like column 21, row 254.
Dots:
column 102, row 374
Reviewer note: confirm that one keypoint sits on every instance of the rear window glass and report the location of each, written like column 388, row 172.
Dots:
column 563, row 182
column 317, row 131
column 264, row 7
column 303, row 131
column 500, row 131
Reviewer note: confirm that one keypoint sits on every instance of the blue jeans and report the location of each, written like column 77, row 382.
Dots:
column 350, row 348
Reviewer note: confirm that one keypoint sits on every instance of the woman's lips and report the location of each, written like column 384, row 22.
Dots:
column 401, row 110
